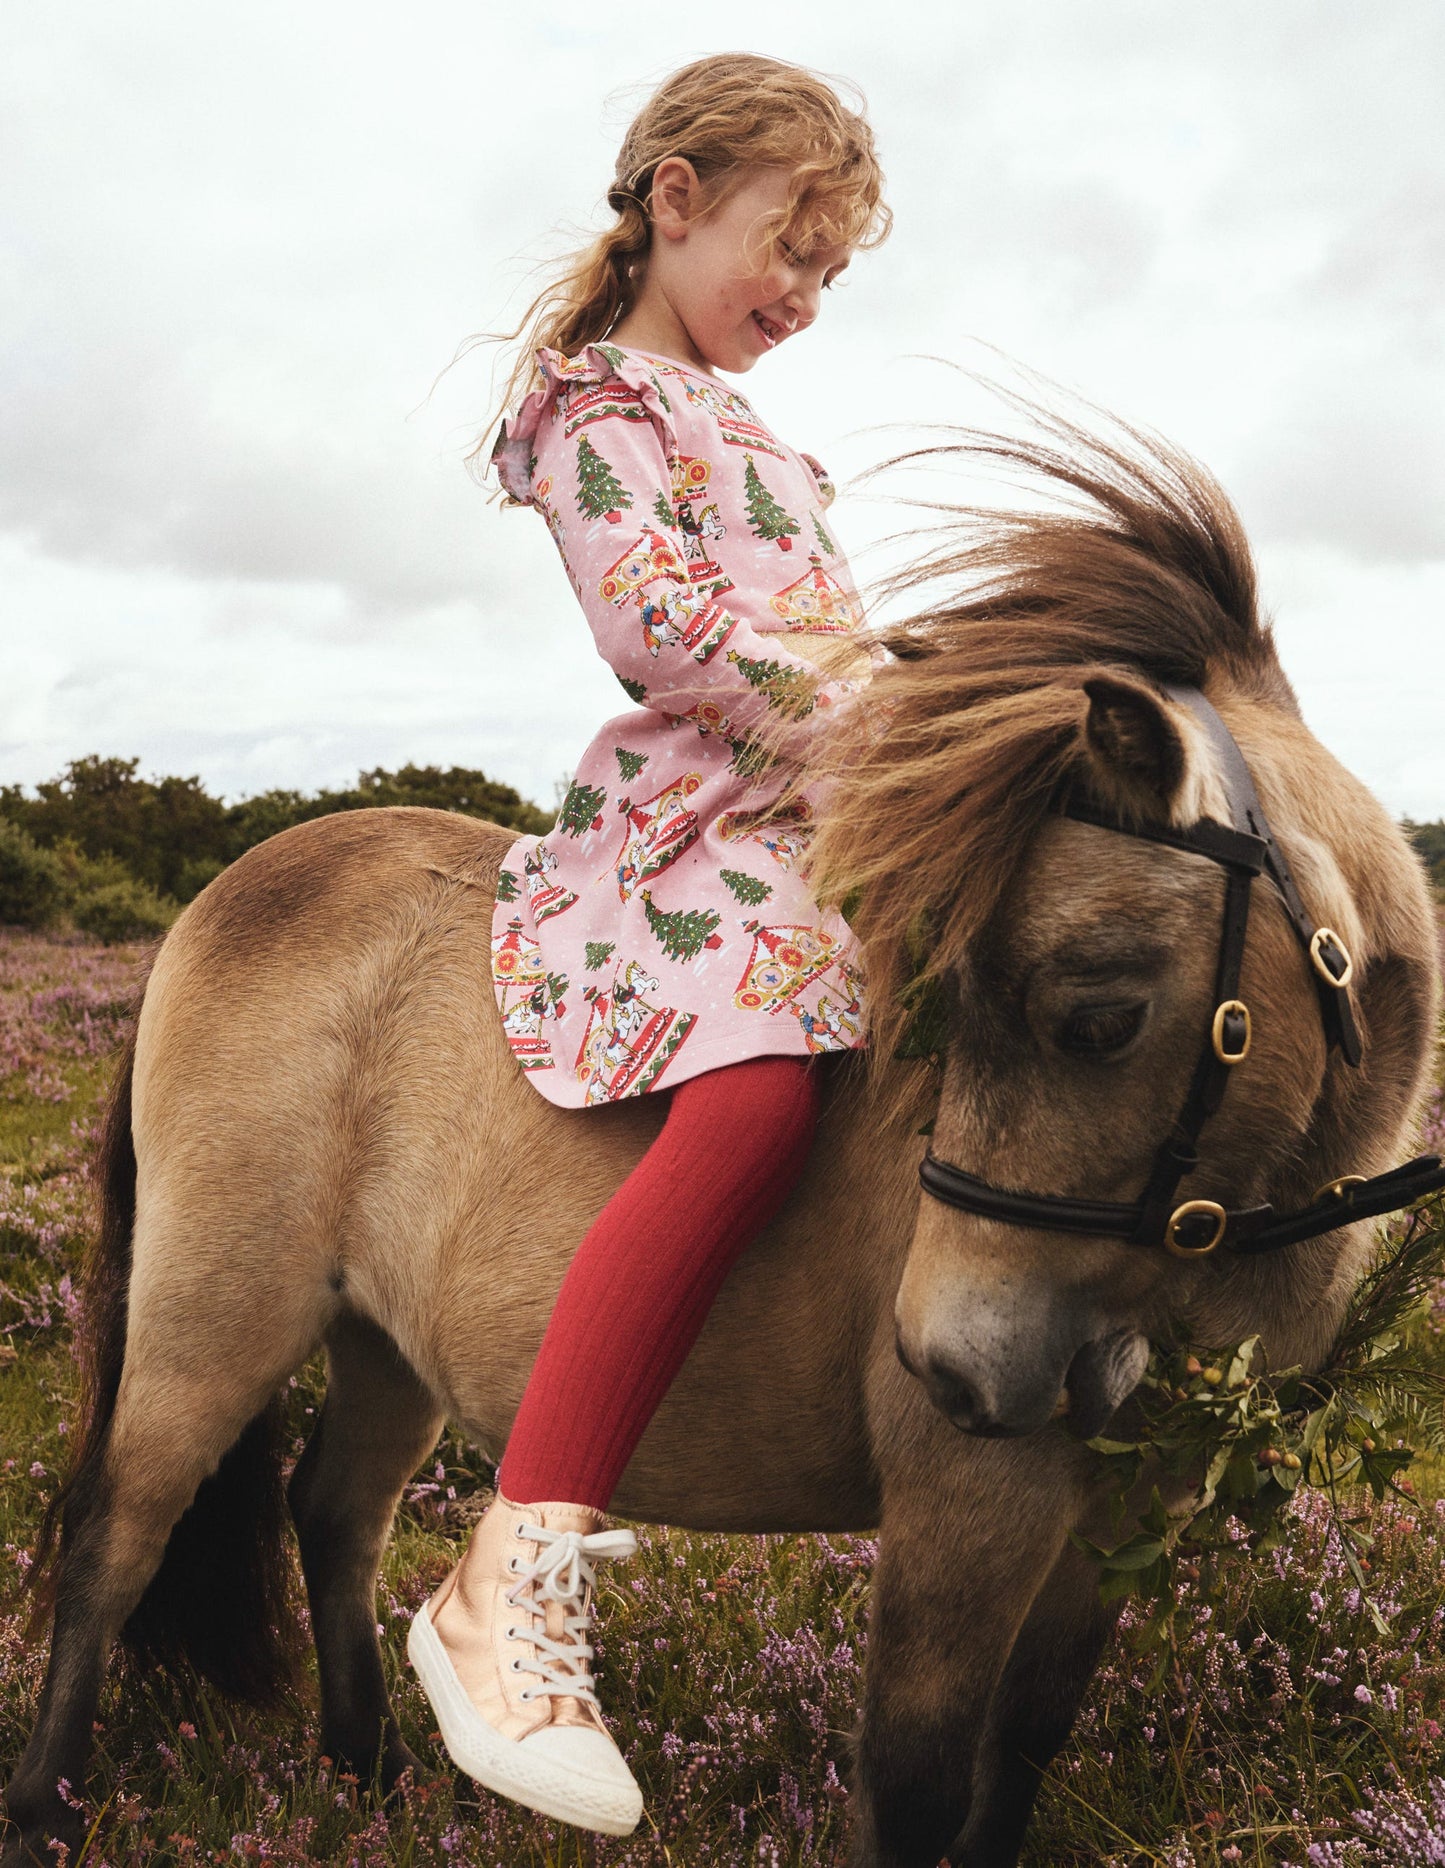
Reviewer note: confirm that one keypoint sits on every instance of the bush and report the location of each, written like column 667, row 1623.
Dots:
column 171, row 836
column 455, row 788
column 1429, row 841
column 34, row 887
column 195, row 875
column 117, row 911
column 42, row 888
column 153, row 826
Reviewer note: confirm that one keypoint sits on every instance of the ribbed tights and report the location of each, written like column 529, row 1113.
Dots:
column 638, row 1291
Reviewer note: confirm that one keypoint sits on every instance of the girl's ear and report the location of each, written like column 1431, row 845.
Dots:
column 675, row 191
column 1136, row 751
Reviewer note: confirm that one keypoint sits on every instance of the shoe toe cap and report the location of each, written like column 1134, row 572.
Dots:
column 594, row 1775
column 583, row 1752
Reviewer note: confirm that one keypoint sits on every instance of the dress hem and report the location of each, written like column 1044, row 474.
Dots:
column 725, row 1047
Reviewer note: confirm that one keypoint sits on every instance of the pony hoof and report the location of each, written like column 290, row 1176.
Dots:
column 35, row 1848
column 379, row 1770
column 399, row 1761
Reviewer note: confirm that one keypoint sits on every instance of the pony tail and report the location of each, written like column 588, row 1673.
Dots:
column 597, row 288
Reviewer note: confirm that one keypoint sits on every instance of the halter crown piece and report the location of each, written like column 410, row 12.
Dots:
column 1244, row 849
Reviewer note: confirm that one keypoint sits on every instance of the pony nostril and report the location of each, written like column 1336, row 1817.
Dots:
column 954, row 1395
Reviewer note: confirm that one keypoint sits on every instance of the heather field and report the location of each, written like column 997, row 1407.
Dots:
column 1289, row 1728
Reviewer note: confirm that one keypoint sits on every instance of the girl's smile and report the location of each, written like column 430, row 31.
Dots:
column 709, row 296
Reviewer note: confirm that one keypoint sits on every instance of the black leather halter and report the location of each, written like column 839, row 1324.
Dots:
column 1244, row 849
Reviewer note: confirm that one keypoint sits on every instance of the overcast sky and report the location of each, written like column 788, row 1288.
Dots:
column 238, row 243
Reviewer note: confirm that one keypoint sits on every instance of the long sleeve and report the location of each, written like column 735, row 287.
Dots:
column 601, row 469
column 666, row 923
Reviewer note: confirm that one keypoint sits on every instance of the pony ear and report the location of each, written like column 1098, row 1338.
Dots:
column 1137, row 756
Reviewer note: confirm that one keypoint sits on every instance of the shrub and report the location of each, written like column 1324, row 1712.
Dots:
column 125, row 910
column 33, row 882
column 42, row 888
column 153, row 826
column 195, row 875
column 1429, row 841
column 173, row 837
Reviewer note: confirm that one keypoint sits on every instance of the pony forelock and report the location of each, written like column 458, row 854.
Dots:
column 930, row 786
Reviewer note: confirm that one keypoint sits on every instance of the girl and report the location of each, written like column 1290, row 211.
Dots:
column 661, row 936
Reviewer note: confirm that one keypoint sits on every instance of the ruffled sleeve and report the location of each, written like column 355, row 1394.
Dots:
column 514, row 456
column 593, row 448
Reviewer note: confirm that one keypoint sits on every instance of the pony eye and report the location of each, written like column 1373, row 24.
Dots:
column 1100, row 1030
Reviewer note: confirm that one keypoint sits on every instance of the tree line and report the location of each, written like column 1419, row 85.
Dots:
column 116, row 855
column 1429, row 841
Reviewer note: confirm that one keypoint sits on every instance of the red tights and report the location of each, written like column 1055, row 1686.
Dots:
column 638, row 1291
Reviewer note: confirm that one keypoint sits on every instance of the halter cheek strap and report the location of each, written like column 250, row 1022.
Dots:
column 1244, row 848
column 1328, row 957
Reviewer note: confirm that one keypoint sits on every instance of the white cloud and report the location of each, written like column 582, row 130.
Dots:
column 1370, row 637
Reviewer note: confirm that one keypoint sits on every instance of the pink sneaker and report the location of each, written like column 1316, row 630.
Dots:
column 502, row 1654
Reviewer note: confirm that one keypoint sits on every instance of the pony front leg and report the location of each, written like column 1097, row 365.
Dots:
column 971, row 1529
column 1034, row 1709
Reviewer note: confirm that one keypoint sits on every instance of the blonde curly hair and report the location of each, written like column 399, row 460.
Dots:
column 727, row 115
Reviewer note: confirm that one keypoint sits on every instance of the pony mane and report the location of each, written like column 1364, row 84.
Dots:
column 931, row 785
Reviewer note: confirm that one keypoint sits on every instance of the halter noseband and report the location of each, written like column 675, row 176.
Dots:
column 1244, row 849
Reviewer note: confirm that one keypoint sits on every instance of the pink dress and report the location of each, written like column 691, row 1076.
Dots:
column 656, row 931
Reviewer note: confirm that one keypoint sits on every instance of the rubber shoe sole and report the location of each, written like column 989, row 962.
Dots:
column 605, row 1799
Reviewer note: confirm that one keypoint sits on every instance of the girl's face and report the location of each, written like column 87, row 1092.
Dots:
column 731, row 304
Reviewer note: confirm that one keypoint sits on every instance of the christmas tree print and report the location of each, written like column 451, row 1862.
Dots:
column 768, row 519
column 506, row 886
column 791, row 689
column 598, row 953
column 662, row 506
column 684, row 932
column 629, row 763
column 749, row 758
column 581, row 809
column 634, row 690
column 749, row 889
column 823, row 539
column 600, row 494
column 618, row 357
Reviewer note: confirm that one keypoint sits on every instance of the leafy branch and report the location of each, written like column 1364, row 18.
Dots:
column 1244, row 1437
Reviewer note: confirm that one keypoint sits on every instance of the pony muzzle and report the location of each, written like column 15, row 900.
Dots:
column 1001, row 1391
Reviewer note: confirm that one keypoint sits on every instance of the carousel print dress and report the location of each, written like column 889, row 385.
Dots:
column 658, row 930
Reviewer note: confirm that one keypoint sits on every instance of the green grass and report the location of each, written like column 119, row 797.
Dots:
column 35, row 1137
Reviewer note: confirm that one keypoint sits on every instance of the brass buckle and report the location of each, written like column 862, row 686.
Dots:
column 1336, row 1188
column 1319, row 936
column 1217, row 1033
column 1171, row 1232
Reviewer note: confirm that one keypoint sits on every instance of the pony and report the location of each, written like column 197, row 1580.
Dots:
column 318, row 1137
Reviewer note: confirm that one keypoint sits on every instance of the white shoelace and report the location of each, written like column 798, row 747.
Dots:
column 562, row 1569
